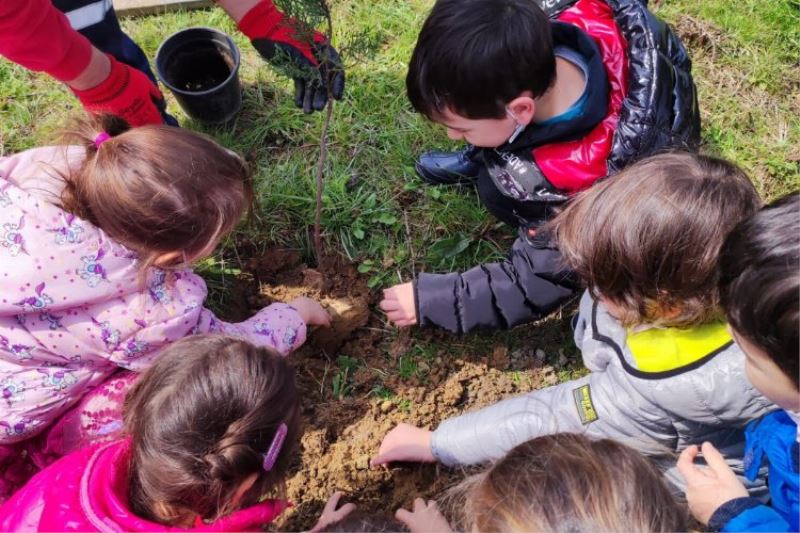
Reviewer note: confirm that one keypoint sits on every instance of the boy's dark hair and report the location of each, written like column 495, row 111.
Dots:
column 475, row 56
column 200, row 420
column 648, row 239
column 759, row 269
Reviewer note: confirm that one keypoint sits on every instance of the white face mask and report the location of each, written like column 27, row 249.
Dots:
column 517, row 130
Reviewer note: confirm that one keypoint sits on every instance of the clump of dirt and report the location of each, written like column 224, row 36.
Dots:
column 343, row 433
column 282, row 277
column 337, row 456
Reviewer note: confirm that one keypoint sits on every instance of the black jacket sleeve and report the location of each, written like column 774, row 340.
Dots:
column 529, row 284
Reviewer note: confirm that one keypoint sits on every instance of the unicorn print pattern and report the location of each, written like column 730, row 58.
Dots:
column 70, row 295
column 12, row 238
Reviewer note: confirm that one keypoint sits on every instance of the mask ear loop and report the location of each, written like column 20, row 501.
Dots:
column 518, row 129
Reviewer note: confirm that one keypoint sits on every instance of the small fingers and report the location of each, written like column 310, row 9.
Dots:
column 332, row 502
column 345, row 510
column 403, row 516
column 389, row 304
column 686, row 464
column 714, row 459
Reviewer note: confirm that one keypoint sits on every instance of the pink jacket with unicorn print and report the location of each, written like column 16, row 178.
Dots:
column 73, row 308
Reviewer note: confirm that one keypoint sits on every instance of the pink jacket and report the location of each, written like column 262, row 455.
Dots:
column 88, row 491
column 72, row 309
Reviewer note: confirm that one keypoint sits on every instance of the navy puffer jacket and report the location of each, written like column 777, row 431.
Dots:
column 652, row 106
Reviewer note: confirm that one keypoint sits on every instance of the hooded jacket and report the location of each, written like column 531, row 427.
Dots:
column 73, row 308
column 88, row 491
column 651, row 105
column 657, row 390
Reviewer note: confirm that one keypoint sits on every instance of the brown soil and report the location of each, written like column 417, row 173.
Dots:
column 342, row 434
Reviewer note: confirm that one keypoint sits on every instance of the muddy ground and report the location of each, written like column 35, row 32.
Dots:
column 362, row 377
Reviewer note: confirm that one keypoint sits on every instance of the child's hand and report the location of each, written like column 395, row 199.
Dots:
column 398, row 304
column 311, row 311
column 405, row 443
column 424, row 518
column 330, row 514
column 708, row 487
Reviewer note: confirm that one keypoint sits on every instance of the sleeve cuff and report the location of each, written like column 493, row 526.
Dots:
column 730, row 510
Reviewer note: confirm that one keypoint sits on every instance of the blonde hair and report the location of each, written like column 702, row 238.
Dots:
column 567, row 482
column 156, row 189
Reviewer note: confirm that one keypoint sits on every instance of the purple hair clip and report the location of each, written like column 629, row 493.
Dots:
column 275, row 447
column 101, row 138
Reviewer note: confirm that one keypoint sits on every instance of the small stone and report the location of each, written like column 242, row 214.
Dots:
column 362, row 463
column 423, row 367
column 562, row 359
column 386, row 406
column 539, row 355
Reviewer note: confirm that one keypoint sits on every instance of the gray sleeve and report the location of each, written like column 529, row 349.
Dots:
column 599, row 405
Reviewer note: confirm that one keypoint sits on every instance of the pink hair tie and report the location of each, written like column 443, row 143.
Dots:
column 275, row 447
column 101, row 138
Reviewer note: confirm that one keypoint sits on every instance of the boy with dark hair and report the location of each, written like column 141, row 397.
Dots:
column 549, row 105
column 760, row 291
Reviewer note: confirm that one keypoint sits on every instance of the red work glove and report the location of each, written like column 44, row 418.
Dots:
column 127, row 93
column 313, row 63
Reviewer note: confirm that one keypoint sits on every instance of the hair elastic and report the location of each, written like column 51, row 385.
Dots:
column 101, row 138
column 275, row 447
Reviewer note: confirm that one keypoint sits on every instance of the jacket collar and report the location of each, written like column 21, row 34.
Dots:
column 659, row 353
column 596, row 106
column 104, row 498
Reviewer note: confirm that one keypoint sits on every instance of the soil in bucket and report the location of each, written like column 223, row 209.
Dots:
column 200, row 68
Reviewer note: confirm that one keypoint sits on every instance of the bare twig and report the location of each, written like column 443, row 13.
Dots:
column 323, row 145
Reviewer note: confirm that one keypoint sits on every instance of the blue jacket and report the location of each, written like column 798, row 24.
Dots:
column 774, row 438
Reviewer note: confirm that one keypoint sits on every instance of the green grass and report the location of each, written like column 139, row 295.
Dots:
column 376, row 211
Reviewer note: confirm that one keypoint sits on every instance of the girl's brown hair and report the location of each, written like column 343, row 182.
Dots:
column 201, row 419
column 567, row 482
column 648, row 238
column 156, row 189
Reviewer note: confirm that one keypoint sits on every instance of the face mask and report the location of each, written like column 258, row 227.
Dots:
column 518, row 129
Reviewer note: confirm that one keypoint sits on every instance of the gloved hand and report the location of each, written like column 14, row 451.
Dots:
column 314, row 64
column 127, row 93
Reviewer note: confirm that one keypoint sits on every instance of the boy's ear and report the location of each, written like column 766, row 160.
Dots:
column 523, row 108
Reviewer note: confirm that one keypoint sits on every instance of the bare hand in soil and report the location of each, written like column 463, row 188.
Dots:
column 330, row 514
column 424, row 518
column 405, row 443
column 708, row 487
column 398, row 304
column 311, row 311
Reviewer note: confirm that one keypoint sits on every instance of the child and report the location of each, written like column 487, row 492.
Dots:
column 760, row 291
column 97, row 246
column 561, row 482
column 665, row 373
column 211, row 427
column 551, row 106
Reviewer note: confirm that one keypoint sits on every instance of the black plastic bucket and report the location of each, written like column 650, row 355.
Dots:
column 201, row 68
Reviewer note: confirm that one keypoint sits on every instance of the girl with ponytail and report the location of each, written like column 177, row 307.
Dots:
column 210, row 431
column 97, row 241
